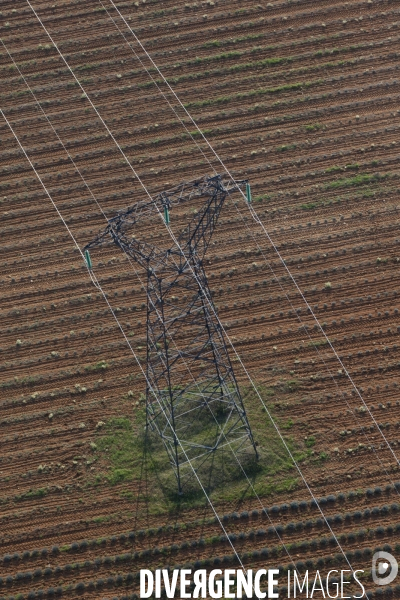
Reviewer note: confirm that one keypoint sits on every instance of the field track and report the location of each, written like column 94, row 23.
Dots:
column 302, row 99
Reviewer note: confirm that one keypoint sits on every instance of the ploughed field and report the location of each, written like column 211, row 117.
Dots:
column 301, row 99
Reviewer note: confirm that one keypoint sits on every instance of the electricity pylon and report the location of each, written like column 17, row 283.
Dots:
column 193, row 400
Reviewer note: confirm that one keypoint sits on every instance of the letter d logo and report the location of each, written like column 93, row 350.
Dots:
column 384, row 563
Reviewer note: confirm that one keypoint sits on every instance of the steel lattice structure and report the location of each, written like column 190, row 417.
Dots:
column 192, row 399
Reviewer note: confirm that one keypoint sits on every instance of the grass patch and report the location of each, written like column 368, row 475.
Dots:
column 286, row 147
column 38, row 493
column 310, row 441
column 130, row 453
column 259, row 92
column 262, row 198
column 122, row 447
column 308, row 206
column 100, row 366
column 197, row 133
column 313, row 127
column 357, row 180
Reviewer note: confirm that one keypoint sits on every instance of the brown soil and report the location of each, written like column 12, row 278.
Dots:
column 316, row 132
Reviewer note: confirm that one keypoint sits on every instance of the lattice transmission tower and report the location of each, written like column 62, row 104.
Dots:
column 193, row 400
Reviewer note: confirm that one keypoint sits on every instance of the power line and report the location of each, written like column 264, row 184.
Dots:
column 174, row 238
column 97, row 284
column 251, row 209
column 138, row 276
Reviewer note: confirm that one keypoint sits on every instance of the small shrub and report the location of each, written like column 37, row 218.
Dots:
column 290, row 528
column 309, row 563
column 261, row 533
column 338, row 519
column 304, row 546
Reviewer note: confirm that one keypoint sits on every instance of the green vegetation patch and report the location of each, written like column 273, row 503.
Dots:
column 36, row 493
column 308, row 206
column 258, row 92
column 357, row 180
column 123, row 447
column 131, row 455
column 100, row 366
